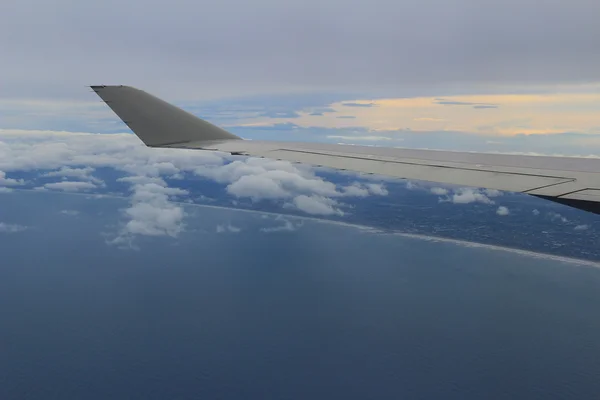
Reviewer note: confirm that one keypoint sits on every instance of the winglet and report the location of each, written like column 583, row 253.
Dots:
column 155, row 121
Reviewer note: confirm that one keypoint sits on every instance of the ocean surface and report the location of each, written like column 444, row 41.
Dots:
column 254, row 306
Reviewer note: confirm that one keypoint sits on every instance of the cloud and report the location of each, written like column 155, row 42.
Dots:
column 465, row 103
column 317, row 205
column 151, row 213
column 84, row 174
column 536, row 212
column 365, row 105
column 287, row 226
column 469, row 195
column 410, row 185
column 439, row 191
column 484, row 106
column 71, row 213
column 370, row 138
column 486, row 43
column 68, row 186
column 228, row 228
column 5, row 190
column 11, row 228
column 377, row 189
column 557, row 217
column 74, row 158
column 492, row 192
column 581, row 227
column 263, row 179
column 4, row 181
column 346, row 117
column 258, row 187
column 279, row 114
column 502, row 211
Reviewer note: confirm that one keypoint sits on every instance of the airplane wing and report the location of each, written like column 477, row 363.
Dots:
column 567, row 180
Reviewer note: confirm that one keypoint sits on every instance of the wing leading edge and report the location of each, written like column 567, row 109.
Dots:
column 567, row 180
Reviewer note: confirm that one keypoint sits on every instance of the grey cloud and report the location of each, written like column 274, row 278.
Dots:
column 190, row 49
column 485, row 106
column 367, row 105
column 321, row 111
column 279, row 114
column 454, row 103
column 465, row 103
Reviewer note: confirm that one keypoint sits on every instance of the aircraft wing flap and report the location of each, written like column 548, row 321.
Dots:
column 455, row 173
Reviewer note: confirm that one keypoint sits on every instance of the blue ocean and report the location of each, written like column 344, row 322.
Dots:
column 249, row 305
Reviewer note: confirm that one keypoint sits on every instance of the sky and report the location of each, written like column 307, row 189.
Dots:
column 512, row 77
column 188, row 48
column 383, row 68
column 137, row 250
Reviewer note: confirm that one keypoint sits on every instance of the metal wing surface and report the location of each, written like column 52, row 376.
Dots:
column 568, row 180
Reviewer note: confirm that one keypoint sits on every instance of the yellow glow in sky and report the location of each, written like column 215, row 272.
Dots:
column 497, row 115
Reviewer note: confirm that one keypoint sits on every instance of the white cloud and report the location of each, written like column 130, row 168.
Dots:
column 142, row 179
column 377, row 189
column 557, row 217
column 257, row 187
column 469, row 195
column 11, row 228
column 75, row 157
column 317, row 205
column 4, row 181
column 84, row 174
column 536, row 212
column 492, row 192
column 411, row 185
column 287, row 226
column 72, row 213
column 581, row 227
column 5, row 190
column 260, row 179
column 357, row 190
column 502, row 211
column 228, row 228
column 69, row 186
column 439, row 191
column 151, row 213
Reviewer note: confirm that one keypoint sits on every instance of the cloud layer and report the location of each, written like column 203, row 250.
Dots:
column 69, row 161
column 203, row 49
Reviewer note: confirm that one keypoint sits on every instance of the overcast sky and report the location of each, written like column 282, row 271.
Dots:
column 198, row 49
